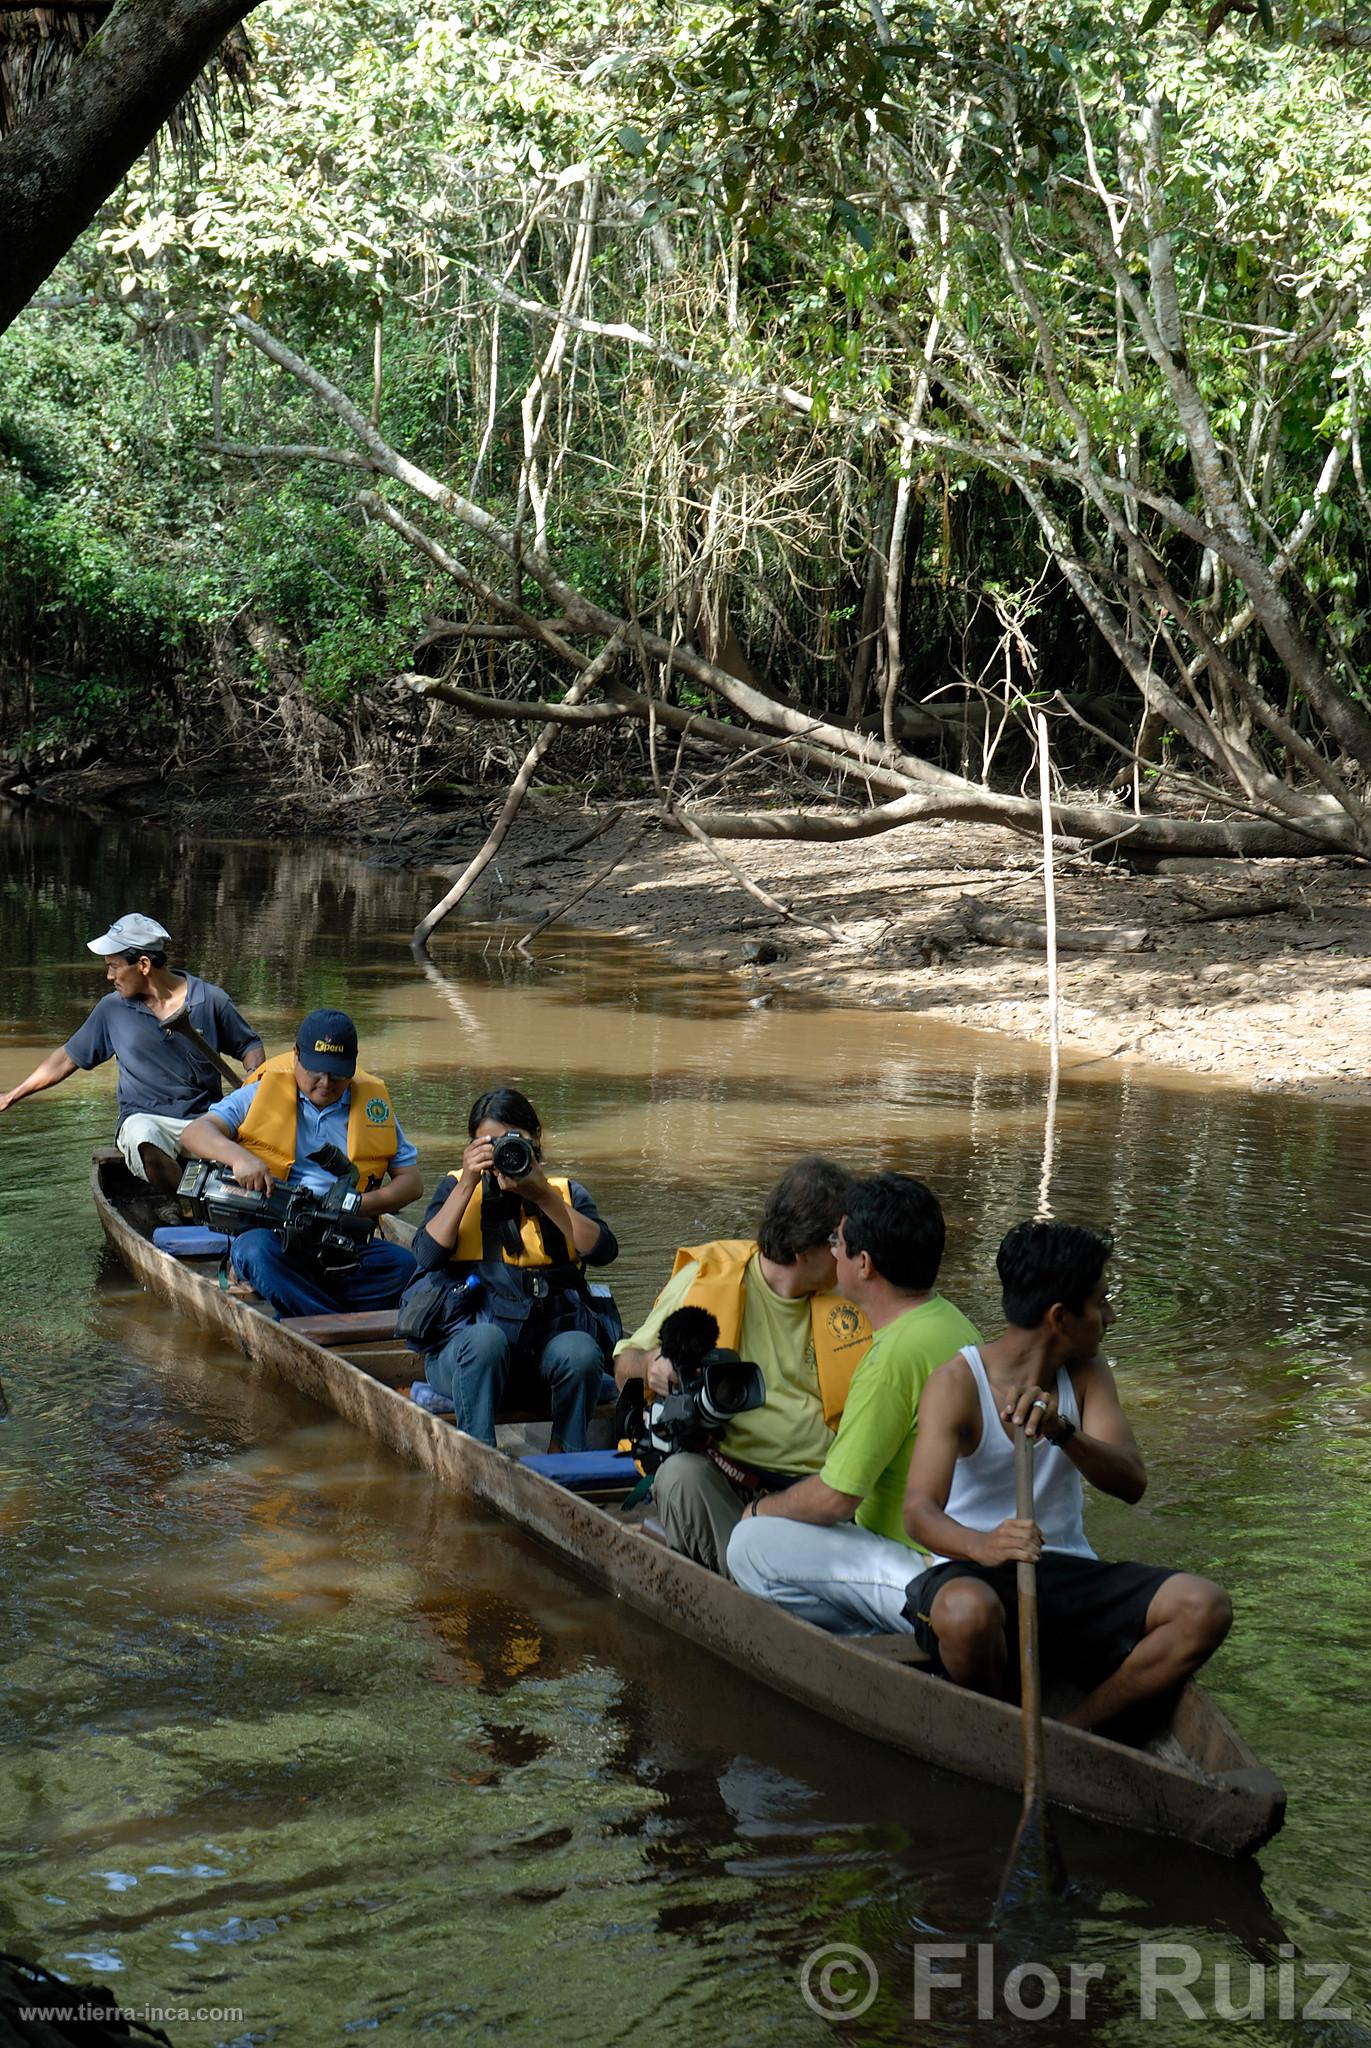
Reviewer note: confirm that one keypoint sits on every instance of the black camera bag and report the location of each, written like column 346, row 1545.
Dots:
column 431, row 1308
column 435, row 1306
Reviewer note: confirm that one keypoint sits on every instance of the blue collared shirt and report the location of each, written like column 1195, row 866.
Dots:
column 314, row 1128
column 160, row 1072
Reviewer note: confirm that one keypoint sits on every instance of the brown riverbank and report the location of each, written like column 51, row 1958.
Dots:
column 1255, row 973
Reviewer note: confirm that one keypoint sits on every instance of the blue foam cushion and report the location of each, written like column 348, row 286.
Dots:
column 585, row 1468
column 191, row 1241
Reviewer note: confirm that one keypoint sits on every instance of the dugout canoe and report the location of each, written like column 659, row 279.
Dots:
column 1197, row 1782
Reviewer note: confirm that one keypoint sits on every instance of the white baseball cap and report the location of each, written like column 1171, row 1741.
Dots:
column 132, row 933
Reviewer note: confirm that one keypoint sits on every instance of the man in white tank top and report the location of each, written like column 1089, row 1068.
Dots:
column 1127, row 1634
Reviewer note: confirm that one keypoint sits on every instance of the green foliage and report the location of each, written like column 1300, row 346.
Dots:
column 355, row 174
column 130, row 551
column 878, row 253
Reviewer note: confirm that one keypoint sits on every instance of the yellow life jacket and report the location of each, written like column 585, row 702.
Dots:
column 268, row 1129
column 840, row 1331
column 470, row 1243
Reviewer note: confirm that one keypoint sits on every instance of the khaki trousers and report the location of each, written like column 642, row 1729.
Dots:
column 698, row 1508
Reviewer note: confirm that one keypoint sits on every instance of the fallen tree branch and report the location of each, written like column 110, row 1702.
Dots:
column 485, row 629
column 1233, row 913
column 605, row 824
column 565, row 713
column 1200, row 838
column 745, row 881
column 630, row 845
column 509, row 811
column 991, row 929
column 1191, row 786
column 734, row 739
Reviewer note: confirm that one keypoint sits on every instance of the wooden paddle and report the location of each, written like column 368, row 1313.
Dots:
column 1035, row 1868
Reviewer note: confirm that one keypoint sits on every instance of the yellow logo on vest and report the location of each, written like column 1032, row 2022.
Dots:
column 844, row 1323
column 378, row 1109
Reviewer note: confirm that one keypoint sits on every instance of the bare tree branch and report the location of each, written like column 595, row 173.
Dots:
column 509, row 811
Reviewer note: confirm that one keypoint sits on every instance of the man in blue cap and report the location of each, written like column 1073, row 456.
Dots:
column 296, row 1103
column 165, row 1028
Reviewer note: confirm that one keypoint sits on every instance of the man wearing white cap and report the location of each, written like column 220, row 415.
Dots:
column 163, row 1027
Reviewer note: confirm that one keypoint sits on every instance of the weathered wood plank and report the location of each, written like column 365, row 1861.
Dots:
column 360, row 1326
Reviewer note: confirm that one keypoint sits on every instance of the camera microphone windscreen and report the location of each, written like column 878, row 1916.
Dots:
column 687, row 1337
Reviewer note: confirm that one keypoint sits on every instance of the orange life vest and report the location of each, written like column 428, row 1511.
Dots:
column 470, row 1243
column 268, row 1129
column 841, row 1333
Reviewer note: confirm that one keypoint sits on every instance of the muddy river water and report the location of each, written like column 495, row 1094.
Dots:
column 295, row 1741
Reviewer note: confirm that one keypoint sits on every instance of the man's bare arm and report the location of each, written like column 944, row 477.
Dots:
column 403, row 1187
column 810, row 1500
column 1104, row 1449
column 58, row 1066
column 947, row 1410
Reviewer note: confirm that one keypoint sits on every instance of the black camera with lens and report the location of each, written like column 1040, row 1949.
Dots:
column 713, row 1386
column 513, row 1155
column 327, row 1231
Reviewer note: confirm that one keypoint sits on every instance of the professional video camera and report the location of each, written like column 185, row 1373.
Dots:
column 712, row 1386
column 328, row 1230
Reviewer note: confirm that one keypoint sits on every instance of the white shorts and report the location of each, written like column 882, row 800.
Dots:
column 843, row 1578
column 161, row 1131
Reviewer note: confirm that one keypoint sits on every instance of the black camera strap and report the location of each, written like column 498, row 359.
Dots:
column 502, row 1237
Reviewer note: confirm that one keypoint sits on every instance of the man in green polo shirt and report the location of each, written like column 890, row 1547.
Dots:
column 832, row 1548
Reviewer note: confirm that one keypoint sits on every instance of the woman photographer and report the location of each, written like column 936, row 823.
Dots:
column 534, row 1327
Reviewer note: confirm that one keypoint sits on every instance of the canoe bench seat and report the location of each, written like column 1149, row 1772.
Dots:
column 898, row 1649
column 362, row 1326
column 190, row 1241
column 585, row 1471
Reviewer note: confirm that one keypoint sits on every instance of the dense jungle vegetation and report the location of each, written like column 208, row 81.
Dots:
column 861, row 379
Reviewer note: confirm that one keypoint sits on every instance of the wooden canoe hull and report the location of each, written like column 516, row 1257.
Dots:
column 1222, row 1799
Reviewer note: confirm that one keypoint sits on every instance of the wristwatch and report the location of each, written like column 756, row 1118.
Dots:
column 1063, row 1433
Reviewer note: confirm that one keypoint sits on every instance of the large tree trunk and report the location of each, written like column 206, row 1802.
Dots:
column 60, row 164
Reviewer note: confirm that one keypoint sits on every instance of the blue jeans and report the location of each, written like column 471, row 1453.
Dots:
column 298, row 1290
column 475, row 1367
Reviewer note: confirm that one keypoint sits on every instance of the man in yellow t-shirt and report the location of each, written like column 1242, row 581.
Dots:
column 772, row 1284
column 833, row 1549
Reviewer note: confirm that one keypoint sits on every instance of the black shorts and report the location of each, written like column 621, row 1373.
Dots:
column 1090, row 1614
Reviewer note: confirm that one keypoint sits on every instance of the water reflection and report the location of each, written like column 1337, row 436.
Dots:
column 286, row 1728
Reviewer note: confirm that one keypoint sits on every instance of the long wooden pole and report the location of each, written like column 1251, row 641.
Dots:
column 1030, row 1669
column 1035, row 1862
column 1049, row 888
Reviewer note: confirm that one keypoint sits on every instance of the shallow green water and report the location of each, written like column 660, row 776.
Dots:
column 287, row 1731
